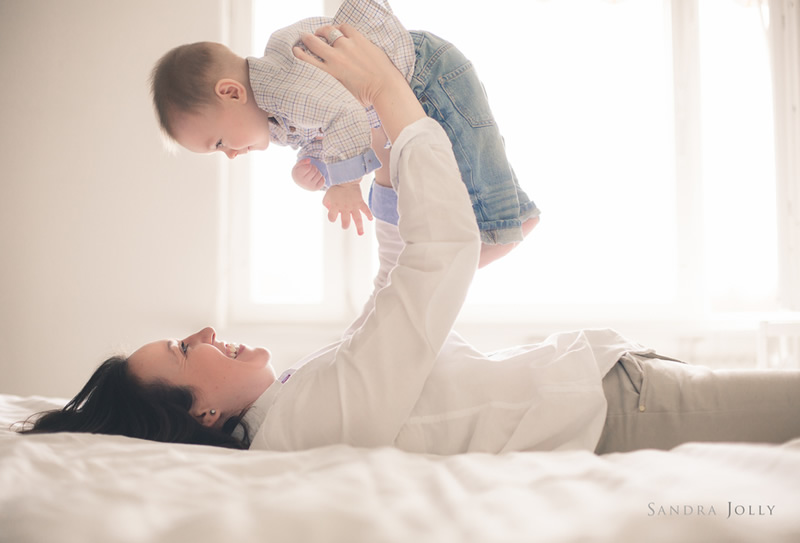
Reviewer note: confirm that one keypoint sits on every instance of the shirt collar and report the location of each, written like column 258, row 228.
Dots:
column 258, row 411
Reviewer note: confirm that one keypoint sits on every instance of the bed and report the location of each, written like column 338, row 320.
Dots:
column 92, row 488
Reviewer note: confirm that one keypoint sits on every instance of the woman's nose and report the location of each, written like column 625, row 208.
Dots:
column 206, row 335
column 231, row 153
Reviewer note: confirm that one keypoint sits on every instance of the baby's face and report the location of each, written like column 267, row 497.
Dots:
column 231, row 127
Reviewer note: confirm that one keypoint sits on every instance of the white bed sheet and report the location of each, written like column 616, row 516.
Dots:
column 91, row 488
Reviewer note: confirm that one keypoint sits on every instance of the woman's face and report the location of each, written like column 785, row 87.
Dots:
column 225, row 377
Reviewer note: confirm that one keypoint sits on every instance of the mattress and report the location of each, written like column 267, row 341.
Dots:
column 92, row 488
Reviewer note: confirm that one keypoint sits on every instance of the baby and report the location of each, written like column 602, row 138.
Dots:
column 209, row 99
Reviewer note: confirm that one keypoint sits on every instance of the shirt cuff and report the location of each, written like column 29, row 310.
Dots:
column 383, row 203
column 348, row 170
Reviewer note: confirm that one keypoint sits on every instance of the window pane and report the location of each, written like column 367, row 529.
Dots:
column 738, row 159
column 269, row 16
column 286, row 253
column 284, row 218
column 587, row 121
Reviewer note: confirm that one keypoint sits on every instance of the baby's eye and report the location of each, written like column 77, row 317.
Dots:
column 218, row 145
column 184, row 347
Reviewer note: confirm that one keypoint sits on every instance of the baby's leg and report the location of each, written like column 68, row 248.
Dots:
column 448, row 87
column 490, row 253
column 379, row 146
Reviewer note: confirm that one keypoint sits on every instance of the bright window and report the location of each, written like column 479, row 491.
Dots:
column 587, row 120
column 283, row 227
column 643, row 131
column 739, row 226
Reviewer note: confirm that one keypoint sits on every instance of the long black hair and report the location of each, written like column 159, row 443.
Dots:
column 114, row 401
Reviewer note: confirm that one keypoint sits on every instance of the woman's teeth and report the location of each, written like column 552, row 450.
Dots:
column 233, row 349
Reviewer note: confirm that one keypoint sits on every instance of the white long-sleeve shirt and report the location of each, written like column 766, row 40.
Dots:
column 400, row 376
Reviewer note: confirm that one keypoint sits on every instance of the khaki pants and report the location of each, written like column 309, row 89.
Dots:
column 658, row 403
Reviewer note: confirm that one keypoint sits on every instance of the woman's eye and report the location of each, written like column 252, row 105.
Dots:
column 219, row 144
column 184, row 347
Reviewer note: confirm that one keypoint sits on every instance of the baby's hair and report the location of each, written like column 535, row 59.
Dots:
column 183, row 80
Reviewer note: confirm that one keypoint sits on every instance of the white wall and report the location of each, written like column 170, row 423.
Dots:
column 107, row 241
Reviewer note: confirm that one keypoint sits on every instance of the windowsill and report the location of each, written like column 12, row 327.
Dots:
column 727, row 340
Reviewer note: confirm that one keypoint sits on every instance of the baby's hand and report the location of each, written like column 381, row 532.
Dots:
column 346, row 200
column 307, row 176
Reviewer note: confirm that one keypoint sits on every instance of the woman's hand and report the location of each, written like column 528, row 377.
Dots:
column 363, row 68
column 366, row 71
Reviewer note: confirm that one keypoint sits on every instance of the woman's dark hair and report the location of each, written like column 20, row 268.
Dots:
column 114, row 401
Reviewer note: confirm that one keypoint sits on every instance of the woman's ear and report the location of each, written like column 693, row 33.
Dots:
column 230, row 89
column 206, row 417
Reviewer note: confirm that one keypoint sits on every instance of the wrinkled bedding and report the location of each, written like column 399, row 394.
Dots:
column 92, row 488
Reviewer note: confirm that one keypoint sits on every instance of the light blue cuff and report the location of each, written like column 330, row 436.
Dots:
column 348, row 170
column 383, row 203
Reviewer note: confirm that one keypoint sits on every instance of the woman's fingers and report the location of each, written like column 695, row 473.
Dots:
column 321, row 42
column 305, row 57
column 328, row 32
column 348, row 30
column 360, row 65
column 313, row 44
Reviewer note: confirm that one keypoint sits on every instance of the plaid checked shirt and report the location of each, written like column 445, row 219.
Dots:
column 312, row 111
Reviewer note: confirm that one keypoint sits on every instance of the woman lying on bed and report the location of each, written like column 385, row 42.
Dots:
column 400, row 376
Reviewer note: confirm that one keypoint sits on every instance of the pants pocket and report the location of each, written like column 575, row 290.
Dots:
column 467, row 95
column 632, row 367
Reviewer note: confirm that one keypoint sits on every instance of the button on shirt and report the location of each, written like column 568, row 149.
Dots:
column 401, row 378
column 312, row 111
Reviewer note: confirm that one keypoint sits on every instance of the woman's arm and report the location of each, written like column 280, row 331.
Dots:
column 365, row 396
column 389, row 246
column 365, row 71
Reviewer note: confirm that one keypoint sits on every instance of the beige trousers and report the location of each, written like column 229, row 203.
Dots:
column 658, row 403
